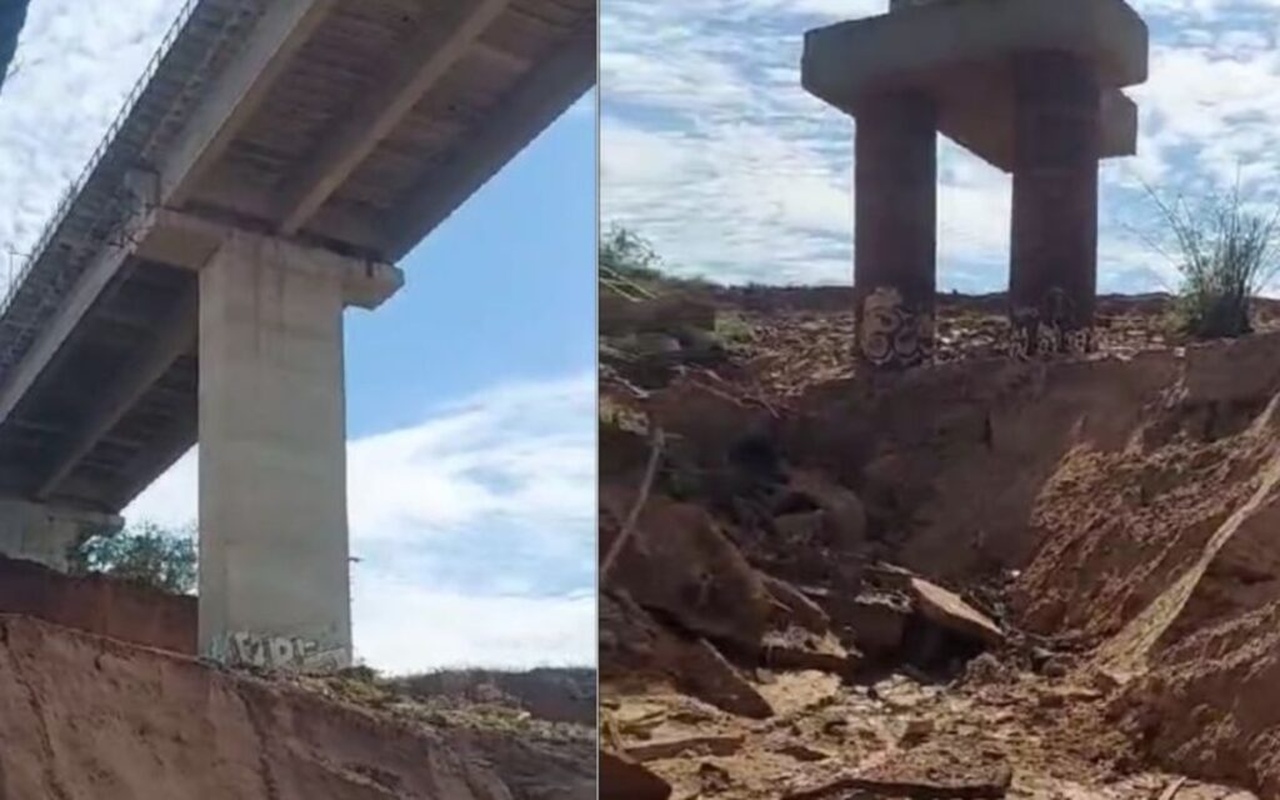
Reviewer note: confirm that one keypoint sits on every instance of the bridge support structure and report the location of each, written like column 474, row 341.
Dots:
column 1034, row 88
column 45, row 533
column 274, row 564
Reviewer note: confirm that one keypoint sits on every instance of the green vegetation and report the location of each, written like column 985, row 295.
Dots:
column 629, row 255
column 1227, row 253
column 146, row 554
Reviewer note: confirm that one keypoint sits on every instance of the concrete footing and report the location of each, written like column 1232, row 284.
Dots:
column 274, row 566
column 895, row 223
column 47, row 534
column 1054, row 253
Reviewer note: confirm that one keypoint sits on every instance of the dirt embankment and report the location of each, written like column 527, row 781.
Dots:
column 88, row 718
column 764, row 634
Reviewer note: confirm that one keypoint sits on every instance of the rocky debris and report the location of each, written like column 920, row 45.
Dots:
column 681, row 564
column 624, row 779
column 792, row 606
column 709, row 745
column 1063, row 498
column 710, row 676
column 947, row 610
column 843, row 517
column 876, row 623
column 799, row 649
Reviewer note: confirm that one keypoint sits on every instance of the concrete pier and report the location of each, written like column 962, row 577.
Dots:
column 1034, row 88
column 895, row 229
column 1054, row 252
column 274, row 571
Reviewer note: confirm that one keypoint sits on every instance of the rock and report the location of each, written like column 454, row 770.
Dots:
column 681, row 563
column 714, row 745
column 709, row 422
column 982, row 782
column 877, row 623
column 707, row 675
column 800, row 610
column 986, row 670
column 916, row 731
column 623, row 779
column 713, row 778
column 798, row 649
column 947, row 610
column 845, row 518
column 803, row 752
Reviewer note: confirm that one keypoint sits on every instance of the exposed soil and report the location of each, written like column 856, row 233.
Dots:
column 84, row 717
column 779, row 621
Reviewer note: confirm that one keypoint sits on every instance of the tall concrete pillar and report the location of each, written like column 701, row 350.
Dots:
column 1053, row 274
column 274, row 567
column 895, row 229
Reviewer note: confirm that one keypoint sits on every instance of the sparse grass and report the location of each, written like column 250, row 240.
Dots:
column 1226, row 251
column 631, row 256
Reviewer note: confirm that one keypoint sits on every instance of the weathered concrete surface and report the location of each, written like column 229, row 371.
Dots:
column 895, row 230
column 959, row 53
column 1054, row 267
column 45, row 534
column 274, row 571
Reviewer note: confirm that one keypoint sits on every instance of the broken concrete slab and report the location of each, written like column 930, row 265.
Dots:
column 947, row 610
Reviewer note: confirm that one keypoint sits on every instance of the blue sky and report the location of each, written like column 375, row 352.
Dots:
column 470, row 394
column 710, row 148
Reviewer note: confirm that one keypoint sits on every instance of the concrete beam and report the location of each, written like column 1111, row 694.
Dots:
column 238, row 93
column 844, row 61
column 175, row 335
column 87, row 291
column 45, row 534
column 191, row 241
column 424, row 62
column 961, row 54
column 545, row 93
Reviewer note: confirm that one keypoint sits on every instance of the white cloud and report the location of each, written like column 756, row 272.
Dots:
column 710, row 147
column 475, row 529
column 76, row 62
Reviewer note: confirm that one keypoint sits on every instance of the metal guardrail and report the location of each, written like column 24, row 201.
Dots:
column 73, row 191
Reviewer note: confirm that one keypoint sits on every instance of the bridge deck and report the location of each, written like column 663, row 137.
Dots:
column 355, row 125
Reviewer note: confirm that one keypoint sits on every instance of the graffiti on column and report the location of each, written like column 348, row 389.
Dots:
column 890, row 334
column 277, row 652
column 1048, row 330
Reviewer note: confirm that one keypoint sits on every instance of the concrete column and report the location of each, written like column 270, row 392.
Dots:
column 46, row 534
column 895, row 229
column 274, row 571
column 1053, row 274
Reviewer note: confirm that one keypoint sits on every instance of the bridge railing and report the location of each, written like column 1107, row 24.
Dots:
column 73, row 191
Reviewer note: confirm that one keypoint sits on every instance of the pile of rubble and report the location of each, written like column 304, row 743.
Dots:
column 816, row 585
